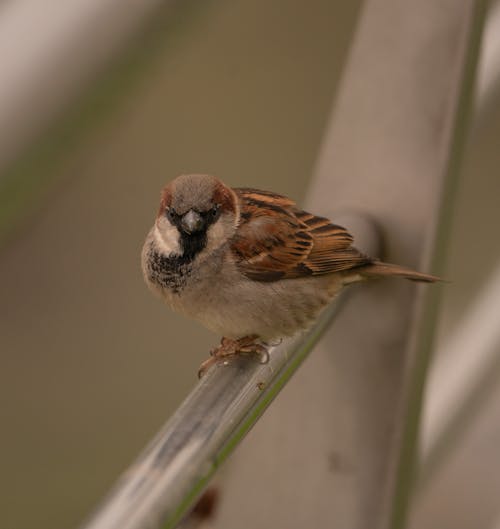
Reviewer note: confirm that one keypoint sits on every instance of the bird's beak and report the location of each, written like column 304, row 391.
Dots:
column 192, row 222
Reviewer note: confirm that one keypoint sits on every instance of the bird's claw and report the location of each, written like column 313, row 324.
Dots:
column 228, row 348
column 208, row 363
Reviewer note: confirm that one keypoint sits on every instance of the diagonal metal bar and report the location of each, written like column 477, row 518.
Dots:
column 488, row 75
column 159, row 489
column 459, row 377
column 422, row 337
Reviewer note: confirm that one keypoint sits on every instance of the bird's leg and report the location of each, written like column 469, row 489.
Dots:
column 229, row 347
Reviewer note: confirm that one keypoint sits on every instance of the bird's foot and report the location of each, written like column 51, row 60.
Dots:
column 229, row 347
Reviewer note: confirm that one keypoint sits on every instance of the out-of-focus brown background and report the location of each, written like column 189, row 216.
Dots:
column 92, row 363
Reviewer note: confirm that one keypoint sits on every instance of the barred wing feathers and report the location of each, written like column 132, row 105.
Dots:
column 276, row 240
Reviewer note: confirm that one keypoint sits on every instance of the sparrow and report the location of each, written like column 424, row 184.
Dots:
column 249, row 265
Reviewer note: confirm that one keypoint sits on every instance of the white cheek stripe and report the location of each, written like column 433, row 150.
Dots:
column 167, row 239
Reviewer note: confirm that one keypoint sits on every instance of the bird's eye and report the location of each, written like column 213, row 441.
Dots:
column 215, row 211
column 171, row 214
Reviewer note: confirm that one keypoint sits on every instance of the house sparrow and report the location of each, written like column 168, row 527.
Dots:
column 249, row 264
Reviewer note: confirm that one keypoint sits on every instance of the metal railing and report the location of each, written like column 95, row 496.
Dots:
column 166, row 480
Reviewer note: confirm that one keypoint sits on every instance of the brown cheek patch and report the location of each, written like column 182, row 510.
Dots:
column 165, row 200
column 225, row 197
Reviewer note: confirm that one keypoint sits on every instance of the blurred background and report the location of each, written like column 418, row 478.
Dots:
column 101, row 105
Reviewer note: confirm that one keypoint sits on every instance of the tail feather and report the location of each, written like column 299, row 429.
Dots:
column 380, row 269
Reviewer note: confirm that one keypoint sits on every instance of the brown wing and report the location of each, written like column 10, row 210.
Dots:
column 276, row 240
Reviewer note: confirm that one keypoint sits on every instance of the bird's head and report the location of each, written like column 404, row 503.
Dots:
column 197, row 213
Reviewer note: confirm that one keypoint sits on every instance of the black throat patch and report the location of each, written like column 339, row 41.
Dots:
column 172, row 271
column 191, row 245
